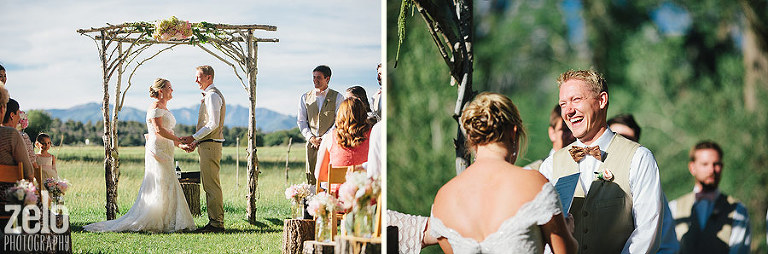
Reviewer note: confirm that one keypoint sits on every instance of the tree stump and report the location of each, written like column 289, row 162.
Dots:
column 192, row 195
column 315, row 247
column 357, row 245
column 295, row 232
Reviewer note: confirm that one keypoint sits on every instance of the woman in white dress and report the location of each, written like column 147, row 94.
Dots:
column 160, row 205
column 495, row 206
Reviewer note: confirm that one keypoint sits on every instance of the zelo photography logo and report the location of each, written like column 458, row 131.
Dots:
column 30, row 229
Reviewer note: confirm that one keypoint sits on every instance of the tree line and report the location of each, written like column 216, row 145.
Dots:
column 131, row 133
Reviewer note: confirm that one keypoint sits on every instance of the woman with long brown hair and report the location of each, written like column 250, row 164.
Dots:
column 347, row 144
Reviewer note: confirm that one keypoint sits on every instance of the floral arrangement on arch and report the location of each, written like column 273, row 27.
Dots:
column 297, row 192
column 24, row 122
column 23, row 192
column 172, row 28
column 56, row 187
column 322, row 204
column 359, row 191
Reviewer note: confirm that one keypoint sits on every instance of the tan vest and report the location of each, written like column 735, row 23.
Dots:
column 716, row 234
column 203, row 117
column 320, row 121
column 603, row 217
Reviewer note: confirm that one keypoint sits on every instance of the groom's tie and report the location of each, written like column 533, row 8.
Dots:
column 578, row 153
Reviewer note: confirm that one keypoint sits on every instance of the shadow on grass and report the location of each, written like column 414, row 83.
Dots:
column 261, row 228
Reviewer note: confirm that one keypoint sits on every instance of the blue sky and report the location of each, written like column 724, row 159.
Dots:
column 49, row 65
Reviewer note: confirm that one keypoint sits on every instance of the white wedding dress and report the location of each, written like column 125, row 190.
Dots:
column 160, row 205
column 518, row 234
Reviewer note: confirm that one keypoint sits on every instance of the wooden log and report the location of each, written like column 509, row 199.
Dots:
column 315, row 247
column 295, row 232
column 192, row 195
column 357, row 245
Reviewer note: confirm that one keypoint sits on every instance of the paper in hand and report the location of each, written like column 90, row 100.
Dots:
column 565, row 188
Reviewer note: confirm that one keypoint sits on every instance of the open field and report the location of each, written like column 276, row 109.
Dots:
column 84, row 169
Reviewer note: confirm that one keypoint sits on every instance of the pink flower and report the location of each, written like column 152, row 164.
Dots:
column 30, row 199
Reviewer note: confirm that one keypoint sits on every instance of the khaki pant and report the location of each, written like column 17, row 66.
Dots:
column 210, row 164
column 311, row 161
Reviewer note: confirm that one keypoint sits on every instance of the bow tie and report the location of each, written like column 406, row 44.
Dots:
column 203, row 93
column 706, row 196
column 579, row 153
column 319, row 93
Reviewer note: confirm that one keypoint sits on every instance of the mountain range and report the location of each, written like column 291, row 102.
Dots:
column 236, row 116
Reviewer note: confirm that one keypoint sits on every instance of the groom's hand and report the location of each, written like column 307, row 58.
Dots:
column 187, row 139
column 315, row 141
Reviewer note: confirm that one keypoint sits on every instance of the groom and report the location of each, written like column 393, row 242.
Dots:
column 208, row 139
column 619, row 211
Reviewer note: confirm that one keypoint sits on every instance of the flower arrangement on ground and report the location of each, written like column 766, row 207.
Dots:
column 172, row 28
column 358, row 195
column 23, row 193
column 296, row 194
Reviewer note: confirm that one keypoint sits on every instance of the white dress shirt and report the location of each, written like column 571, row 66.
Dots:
column 645, row 188
column 373, row 165
column 302, row 119
column 213, row 104
column 741, row 238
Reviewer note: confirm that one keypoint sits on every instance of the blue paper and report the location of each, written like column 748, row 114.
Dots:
column 565, row 187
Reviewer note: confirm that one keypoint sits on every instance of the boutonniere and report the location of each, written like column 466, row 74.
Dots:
column 606, row 175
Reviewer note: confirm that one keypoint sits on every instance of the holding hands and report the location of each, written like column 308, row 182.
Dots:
column 187, row 143
column 315, row 141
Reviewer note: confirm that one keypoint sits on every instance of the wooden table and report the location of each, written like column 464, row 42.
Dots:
column 357, row 245
column 315, row 247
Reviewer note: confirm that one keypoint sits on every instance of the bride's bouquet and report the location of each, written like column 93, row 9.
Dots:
column 23, row 193
column 359, row 194
column 172, row 28
column 296, row 193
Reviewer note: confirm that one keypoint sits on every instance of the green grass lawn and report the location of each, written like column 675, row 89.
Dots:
column 83, row 167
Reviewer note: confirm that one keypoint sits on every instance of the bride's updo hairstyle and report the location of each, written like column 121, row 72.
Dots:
column 490, row 118
column 154, row 90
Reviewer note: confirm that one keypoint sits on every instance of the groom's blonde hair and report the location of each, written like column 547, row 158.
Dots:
column 207, row 70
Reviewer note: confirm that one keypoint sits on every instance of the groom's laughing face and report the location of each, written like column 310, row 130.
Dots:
column 202, row 80
column 582, row 109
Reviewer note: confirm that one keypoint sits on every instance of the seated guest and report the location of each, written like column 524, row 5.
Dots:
column 347, row 144
column 710, row 221
column 11, row 119
column 509, row 209
column 12, row 148
column 359, row 93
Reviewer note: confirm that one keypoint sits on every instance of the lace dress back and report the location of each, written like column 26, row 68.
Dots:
column 518, row 234
column 160, row 205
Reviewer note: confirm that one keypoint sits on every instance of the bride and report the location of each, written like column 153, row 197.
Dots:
column 160, row 205
column 495, row 206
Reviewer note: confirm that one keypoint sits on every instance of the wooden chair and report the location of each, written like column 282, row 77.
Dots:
column 9, row 174
column 336, row 175
column 377, row 226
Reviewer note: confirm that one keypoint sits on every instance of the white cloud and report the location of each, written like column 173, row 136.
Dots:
column 51, row 66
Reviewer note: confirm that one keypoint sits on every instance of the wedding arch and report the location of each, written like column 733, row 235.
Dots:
column 119, row 49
